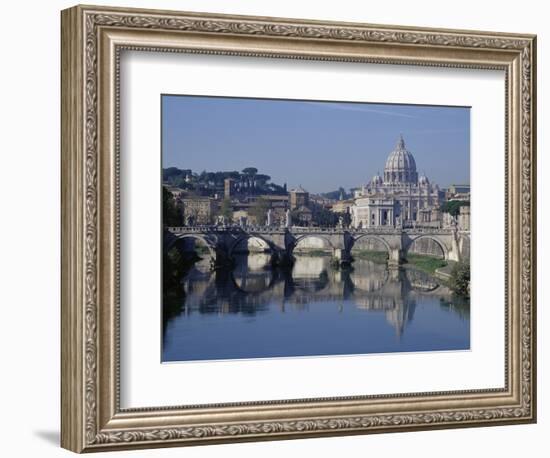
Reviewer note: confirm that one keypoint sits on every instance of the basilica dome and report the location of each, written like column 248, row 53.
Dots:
column 400, row 165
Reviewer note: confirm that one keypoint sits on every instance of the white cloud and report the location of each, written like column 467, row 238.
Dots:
column 358, row 108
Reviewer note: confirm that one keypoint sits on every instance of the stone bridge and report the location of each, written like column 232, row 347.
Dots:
column 224, row 241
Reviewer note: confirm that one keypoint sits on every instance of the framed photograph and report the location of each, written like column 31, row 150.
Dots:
column 278, row 228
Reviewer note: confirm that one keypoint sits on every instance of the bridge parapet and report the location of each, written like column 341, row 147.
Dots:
column 310, row 230
column 428, row 231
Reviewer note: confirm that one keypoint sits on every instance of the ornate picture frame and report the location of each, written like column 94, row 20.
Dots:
column 92, row 41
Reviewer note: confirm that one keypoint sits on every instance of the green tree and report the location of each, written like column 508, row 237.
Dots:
column 258, row 211
column 335, row 195
column 322, row 216
column 171, row 213
column 173, row 172
column 262, row 178
column 460, row 279
column 210, row 177
column 250, row 171
column 453, row 206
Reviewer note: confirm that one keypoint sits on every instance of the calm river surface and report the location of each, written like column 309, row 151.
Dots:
column 254, row 311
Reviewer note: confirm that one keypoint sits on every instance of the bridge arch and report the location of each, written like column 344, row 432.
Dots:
column 440, row 243
column 245, row 237
column 181, row 238
column 326, row 244
column 372, row 237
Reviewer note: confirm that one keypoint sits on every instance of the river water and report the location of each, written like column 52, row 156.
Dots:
column 255, row 311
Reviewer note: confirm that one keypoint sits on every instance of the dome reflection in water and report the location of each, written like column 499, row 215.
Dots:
column 254, row 310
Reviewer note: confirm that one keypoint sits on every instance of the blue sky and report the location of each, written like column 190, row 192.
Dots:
column 319, row 145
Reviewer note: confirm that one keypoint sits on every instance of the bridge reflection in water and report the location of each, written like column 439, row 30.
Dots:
column 254, row 310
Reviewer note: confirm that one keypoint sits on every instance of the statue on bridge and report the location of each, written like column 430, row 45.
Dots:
column 269, row 218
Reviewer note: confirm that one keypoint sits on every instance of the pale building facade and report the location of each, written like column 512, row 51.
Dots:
column 342, row 206
column 374, row 211
column 398, row 198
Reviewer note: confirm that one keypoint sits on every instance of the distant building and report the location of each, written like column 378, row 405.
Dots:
column 277, row 203
column 321, row 201
column 375, row 211
column 459, row 189
column 400, row 197
column 460, row 197
column 228, row 187
column 458, row 192
column 299, row 197
column 302, row 216
column 198, row 210
column 275, row 200
column 342, row 206
column 177, row 193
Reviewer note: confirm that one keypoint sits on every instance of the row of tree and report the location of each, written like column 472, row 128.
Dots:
column 208, row 182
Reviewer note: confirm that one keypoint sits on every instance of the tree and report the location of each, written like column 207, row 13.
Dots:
column 259, row 210
column 170, row 172
column 250, row 171
column 210, row 178
column 276, row 189
column 175, row 176
column 171, row 214
column 322, row 216
column 335, row 195
column 453, row 206
column 460, row 279
column 262, row 178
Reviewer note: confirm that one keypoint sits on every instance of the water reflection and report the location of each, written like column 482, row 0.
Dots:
column 252, row 274
column 359, row 297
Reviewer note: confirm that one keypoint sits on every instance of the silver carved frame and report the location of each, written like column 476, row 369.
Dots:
column 92, row 40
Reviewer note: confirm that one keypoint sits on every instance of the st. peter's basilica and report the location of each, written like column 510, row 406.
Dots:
column 400, row 197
